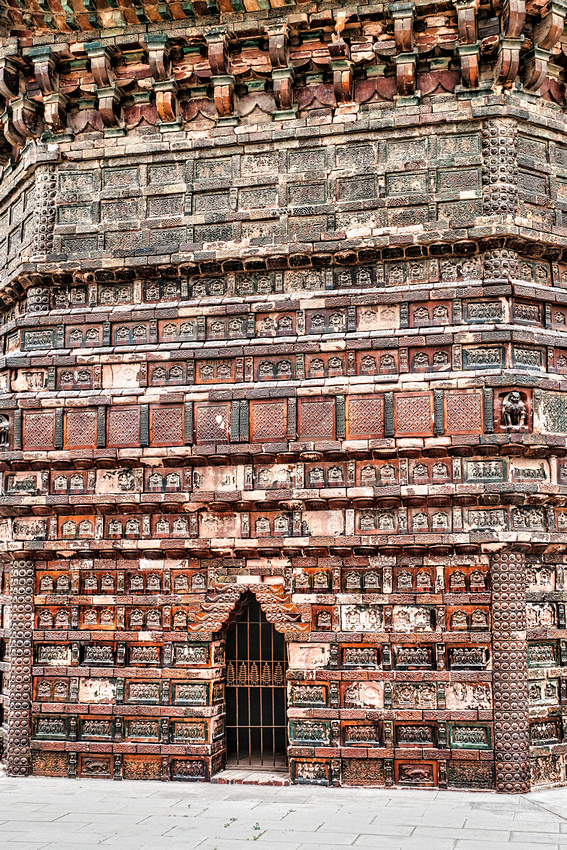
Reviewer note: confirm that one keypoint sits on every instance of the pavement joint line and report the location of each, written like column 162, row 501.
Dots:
column 544, row 808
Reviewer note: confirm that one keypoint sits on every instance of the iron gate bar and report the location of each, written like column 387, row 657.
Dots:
column 253, row 672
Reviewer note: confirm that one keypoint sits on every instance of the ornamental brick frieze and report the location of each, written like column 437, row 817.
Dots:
column 436, row 264
column 300, row 315
column 311, row 528
column 291, row 365
column 300, row 423
column 252, row 481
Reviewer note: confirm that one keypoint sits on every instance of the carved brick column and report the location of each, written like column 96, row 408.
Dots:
column 44, row 214
column 510, row 676
column 20, row 659
column 500, row 166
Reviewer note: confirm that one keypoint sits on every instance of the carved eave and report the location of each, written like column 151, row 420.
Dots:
column 224, row 69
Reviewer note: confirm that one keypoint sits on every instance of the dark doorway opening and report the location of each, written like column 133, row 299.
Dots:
column 256, row 725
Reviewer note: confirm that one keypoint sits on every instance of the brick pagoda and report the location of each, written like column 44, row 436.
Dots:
column 283, row 307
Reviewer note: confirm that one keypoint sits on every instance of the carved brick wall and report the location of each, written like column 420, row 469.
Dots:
column 318, row 360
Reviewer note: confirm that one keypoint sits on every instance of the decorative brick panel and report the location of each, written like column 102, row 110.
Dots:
column 268, row 421
column 413, row 414
column 123, row 426
column 500, row 166
column 39, row 431
column 316, row 419
column 80, row 428
column 365, row 418
column 212, row 423
column 166, row 426
column 463, row 413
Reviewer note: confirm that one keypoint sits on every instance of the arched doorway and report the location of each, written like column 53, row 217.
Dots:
column 256, row 723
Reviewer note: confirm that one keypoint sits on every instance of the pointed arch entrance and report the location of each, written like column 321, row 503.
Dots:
column 256, row 723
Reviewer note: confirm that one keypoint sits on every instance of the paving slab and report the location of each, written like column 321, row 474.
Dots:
column 378, row 827
column 245, row 844
column 474, row 844
column 42, row 814
column 25, row 844
column 397, row 843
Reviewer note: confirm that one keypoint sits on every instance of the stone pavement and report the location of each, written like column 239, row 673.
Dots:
column 54, row 814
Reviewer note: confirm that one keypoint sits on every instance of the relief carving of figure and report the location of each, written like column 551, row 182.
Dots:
column 514, row 412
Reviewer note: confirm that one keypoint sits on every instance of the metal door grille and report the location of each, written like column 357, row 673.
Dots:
column 256, row 728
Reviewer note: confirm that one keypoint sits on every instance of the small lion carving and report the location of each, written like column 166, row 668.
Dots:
column 514, row 412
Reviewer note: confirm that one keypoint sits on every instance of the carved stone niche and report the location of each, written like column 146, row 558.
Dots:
column 513, row 411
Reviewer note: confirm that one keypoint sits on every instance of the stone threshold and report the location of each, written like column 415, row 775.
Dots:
column 251, row 776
